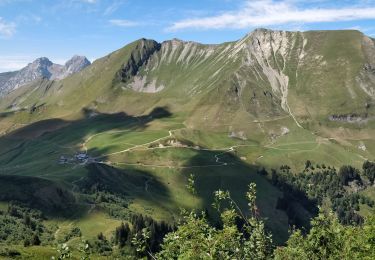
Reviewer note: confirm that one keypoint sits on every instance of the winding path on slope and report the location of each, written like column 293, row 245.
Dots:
column 218, row 161
column 170, row 134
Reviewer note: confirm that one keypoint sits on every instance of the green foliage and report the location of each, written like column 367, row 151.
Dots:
column 122, row 234
column 85, row 250
column 73, row 232
column 369, row 171
column 328, row 239
column 310, row 189
column 347, row 174
column 23, row 225
column 193, row 240
column 239, row 237
column 223, row 94
column 7, row 252
column 115, row 204
column 64, row 252
column 140, row 241
column 191, row 184
column 36, row 193
column 143, row 238
column 101, row 245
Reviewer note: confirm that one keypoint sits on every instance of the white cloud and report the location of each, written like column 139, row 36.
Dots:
column 15, row 62
column 7, row 29
column 123, row 23
column 271, row 12
column 113, row 7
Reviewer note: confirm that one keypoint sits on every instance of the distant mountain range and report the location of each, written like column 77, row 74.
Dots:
column 41, row 68
column 310, row 76
column 123, row 135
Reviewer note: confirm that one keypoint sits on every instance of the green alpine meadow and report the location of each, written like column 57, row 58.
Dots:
column 259, row 148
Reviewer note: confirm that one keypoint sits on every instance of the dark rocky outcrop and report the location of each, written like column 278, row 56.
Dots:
column 350, row 118
column 139, row 57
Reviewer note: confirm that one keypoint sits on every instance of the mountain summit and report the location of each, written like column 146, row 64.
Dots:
column 313, row 78
column 281, row 109
column 41, row 68
column 74, row 65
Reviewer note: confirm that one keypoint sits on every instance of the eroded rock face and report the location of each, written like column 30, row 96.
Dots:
column 140, row 72
column 350, row 118
column 4, row 77
column 262, row 72
column 267, row 54
column 74, row 65
column 263, row 51
column 138, row 58
column 141, row 84
column 262, row 47
column 42, row 68
column 366, row 77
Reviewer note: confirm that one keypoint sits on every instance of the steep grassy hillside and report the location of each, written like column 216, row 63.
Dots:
column 123, row 136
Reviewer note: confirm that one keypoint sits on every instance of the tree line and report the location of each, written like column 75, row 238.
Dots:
column 316, row 185
column 244, row 236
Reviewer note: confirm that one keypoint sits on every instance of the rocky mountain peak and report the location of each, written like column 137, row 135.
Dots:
column 74, row 65
column 42, row 61
column 77, row 61
column 42, row 68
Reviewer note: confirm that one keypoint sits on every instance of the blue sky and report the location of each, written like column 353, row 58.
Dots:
column 58, row 29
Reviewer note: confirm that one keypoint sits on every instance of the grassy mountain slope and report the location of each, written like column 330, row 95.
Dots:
column 150, row 114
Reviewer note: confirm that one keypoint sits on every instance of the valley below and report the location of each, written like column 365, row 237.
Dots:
column 155, row 129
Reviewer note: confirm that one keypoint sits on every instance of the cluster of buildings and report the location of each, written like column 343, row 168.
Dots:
column 79, row 157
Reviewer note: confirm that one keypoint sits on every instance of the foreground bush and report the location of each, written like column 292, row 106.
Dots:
column 239, row 237
column 328, row 239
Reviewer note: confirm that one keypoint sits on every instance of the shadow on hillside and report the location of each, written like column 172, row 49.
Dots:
column 131, row 183
column 92, row 122
column 229, row 173
column 61, row 132
column 47, row 196
column 235, row 177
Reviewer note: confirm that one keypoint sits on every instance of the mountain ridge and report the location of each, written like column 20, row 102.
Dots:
column 39, row 69
column 139, row 121
column 264, row 74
